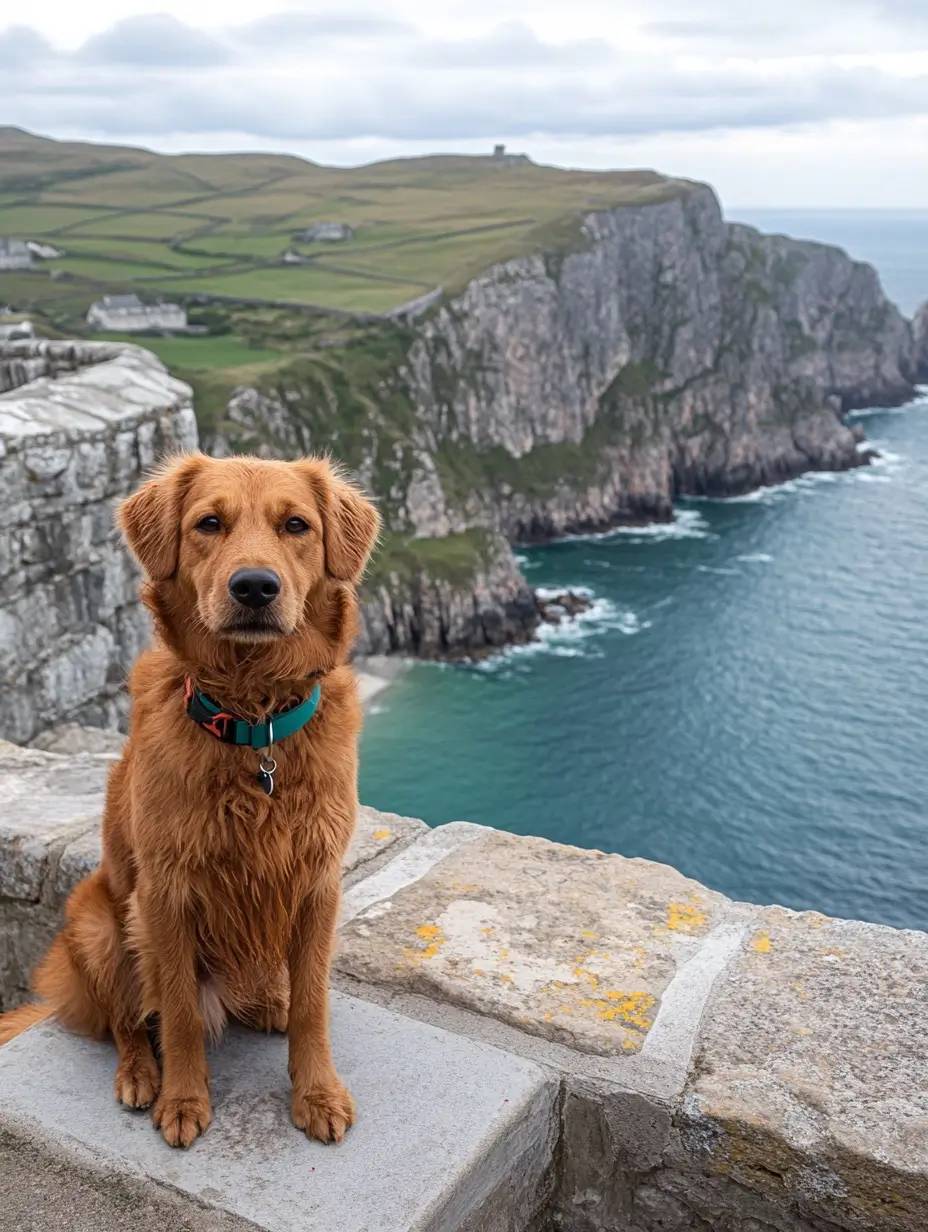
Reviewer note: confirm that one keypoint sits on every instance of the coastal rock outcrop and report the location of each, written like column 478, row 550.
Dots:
column 465, row 600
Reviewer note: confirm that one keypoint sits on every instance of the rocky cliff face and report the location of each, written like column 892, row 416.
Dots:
column 659, row 352
column 79, row 425
column 672, row 354
column 920, row 338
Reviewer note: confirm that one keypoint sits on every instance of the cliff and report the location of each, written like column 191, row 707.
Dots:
column 640, row 354
column 80, row 423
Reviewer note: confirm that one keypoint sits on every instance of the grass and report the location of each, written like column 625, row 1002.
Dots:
column 198, row 353
column 455, row 559
column 127, row 218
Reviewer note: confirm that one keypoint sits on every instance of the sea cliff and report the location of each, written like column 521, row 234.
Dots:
column 641, row 354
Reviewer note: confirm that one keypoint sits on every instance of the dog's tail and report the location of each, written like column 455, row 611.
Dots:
column 17, row 1021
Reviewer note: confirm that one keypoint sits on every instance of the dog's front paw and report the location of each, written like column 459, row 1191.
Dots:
column 181, row 1119
column 138, row 1080
column 326, row 1111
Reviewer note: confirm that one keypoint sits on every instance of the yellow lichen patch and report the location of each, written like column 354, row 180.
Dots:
column 486, row 931
column 629, row 1043
column 582, row 974
column 761, row 943
column 548, row 1017
column 380, row 835
column 685, row 917
column 587, row 933
column 628, row 1007
column 432, row 934
column 478, row 971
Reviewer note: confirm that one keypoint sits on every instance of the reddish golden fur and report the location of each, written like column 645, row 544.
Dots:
column 213, row 898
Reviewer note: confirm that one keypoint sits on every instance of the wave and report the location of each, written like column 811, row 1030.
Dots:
column 687, row 524
column 571, row 637
column 760, row 558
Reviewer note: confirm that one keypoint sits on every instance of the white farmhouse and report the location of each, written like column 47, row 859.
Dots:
column 326, row 233
column 127, row 314
column 14, row 255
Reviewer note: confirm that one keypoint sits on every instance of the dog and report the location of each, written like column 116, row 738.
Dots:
column 218, row 892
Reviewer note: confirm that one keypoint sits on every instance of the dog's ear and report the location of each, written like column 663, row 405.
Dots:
column 350, row 522
column 150, row 518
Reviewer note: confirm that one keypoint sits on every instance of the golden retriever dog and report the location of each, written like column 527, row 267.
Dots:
column 229, row 812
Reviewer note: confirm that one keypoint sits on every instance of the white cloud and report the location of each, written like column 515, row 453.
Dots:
column 691, row 81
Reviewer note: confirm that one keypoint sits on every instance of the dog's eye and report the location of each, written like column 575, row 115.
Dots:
column 210, row 525
column 296, row 526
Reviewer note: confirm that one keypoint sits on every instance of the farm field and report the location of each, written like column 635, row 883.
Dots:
column 184, row 226
column 198, row 353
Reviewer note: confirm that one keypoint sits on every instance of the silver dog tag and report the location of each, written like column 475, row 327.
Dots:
column 265, row 775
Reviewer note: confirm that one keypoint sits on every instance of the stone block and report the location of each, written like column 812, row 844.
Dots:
column 378, row 836
column 47, row 800
column 451, row 1134
column 809, row 1083
column 575, row 946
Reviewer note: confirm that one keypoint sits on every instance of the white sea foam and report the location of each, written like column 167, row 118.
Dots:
column 885, row 461
column 687, row 524
column 760, row 558
column 572, row 637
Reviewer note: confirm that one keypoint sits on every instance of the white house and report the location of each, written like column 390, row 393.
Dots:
column 45, row 252
column 14, row 254
column 326, row 233
column 127, row 314
column 16, row 331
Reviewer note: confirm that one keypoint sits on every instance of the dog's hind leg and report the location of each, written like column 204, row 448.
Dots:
column 88, row 978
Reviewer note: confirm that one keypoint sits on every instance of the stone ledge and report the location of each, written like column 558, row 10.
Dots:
column 445, row 1127
column 754, row 1070
column 722, row 1067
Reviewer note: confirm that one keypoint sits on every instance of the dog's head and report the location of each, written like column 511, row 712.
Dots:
column 241, row 550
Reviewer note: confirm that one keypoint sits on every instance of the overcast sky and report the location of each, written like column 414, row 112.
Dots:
column 793, row 103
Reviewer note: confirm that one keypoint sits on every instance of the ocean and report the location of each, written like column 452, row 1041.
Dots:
column 747, row 698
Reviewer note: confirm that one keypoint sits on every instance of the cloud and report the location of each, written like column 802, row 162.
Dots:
column 22, row 47
column 626, row 96
column 155, row 40
column 366, row 76
column 512, row 45
column 285, row 29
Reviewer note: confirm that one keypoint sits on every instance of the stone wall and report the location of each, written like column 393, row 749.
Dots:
column 539, row 1037
column 79, row 424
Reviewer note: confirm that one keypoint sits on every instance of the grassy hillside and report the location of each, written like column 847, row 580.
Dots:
column 181, row 225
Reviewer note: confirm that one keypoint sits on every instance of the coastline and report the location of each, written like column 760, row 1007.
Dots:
column 375, row 673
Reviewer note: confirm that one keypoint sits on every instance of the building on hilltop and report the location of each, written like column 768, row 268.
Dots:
column 326, row 233
column 127, row 314
column 14, row 254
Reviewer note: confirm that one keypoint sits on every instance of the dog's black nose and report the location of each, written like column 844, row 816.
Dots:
column 254, row 587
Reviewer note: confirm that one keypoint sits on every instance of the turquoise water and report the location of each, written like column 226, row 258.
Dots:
column 747, row 699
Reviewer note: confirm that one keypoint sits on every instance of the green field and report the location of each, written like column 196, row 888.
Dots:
column 199, row 353
column 184, row 225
